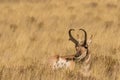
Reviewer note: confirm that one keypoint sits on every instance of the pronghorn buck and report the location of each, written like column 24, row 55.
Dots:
column 68, row 61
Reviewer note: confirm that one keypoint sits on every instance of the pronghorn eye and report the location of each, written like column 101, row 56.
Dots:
column 86, row 46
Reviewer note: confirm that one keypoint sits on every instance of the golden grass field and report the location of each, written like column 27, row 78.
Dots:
column 33, row 30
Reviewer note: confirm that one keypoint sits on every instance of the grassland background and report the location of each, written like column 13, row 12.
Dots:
column 33, row 30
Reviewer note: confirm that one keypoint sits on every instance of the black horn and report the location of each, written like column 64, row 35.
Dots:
column 72, row 38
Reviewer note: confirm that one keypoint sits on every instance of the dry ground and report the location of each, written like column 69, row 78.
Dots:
column 33, row 30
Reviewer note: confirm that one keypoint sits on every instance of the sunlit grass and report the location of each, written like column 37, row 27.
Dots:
column 32, row 32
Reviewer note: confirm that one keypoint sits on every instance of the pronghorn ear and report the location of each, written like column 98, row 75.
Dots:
column 90, row 40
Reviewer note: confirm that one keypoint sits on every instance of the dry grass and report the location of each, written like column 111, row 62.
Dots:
column 31, row 31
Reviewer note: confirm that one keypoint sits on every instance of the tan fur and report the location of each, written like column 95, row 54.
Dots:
column 86, row 65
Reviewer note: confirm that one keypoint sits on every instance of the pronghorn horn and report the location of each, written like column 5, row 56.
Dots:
column 72, row 38
column 85, row 39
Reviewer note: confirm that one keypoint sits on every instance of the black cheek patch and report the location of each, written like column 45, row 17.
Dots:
column 77, row 55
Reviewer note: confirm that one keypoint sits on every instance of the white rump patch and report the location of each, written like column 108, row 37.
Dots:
column 61, row 63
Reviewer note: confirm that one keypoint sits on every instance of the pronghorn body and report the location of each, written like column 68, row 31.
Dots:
column 69, row 61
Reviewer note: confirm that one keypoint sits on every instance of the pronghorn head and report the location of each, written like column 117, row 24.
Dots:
column 81, row 47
